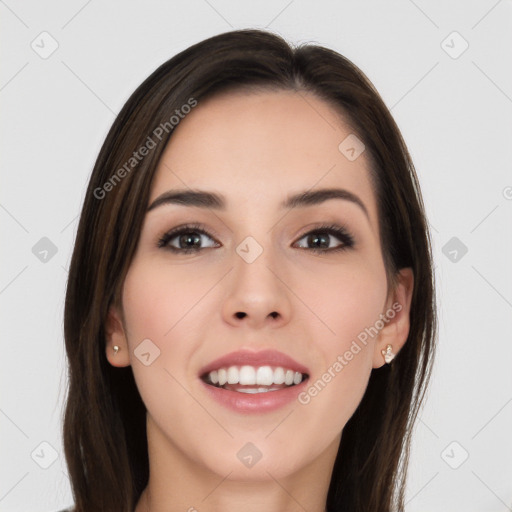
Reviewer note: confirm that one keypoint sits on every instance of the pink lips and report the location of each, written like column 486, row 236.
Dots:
column 261, row 358
column 257, row 402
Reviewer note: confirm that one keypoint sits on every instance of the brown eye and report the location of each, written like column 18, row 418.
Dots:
column 189, row 239
column 320, row 239
column 185, row 239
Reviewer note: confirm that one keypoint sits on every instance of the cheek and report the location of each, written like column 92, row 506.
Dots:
column 347, row 300
column 159, row 305
column 349, row 304
column 160, row 319
column 160, row 301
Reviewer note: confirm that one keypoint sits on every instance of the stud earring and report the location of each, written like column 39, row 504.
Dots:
column 388, row 354
column 116, row 349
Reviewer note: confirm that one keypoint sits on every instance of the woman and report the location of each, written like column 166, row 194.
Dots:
column 250, row 312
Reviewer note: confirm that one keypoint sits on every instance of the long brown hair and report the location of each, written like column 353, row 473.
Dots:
column 105, row 419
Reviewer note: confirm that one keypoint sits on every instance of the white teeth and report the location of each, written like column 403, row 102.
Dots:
column 233, row 375
column 279, row 375
column 250, row 375
column 264, row 376
column 247, row 375
column 257, row 390
column 222, row 376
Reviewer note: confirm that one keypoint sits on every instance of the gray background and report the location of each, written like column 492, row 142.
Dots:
column 454, row 111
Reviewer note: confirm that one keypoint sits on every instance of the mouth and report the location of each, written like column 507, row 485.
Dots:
column 254, row 379
column 254, row 382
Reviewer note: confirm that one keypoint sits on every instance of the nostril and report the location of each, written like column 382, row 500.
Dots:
column 240, row 314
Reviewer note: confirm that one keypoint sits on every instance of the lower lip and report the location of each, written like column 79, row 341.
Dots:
column 255, row 402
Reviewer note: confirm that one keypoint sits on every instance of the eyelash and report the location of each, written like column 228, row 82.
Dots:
column 330, row 229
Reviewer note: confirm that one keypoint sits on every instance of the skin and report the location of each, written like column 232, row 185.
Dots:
column 255, row 149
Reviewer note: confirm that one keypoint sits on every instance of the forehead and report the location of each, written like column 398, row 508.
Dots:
column 257, row 148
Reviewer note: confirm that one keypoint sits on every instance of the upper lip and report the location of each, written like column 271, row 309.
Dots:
column 261, row 358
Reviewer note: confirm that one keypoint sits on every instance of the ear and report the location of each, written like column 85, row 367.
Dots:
column 115, row 335
column 395, row 317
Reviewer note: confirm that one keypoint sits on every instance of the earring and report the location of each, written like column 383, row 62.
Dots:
column 388, row 354
column 116, row 349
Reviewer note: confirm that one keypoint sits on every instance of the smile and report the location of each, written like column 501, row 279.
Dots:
column 253, row 379
column 246, row 381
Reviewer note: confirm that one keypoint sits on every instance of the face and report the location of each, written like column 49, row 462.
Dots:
column 253, row 276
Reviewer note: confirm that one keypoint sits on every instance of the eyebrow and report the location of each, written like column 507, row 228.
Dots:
column 211, row 200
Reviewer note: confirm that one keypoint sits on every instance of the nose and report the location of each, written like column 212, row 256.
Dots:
column 257, row 293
